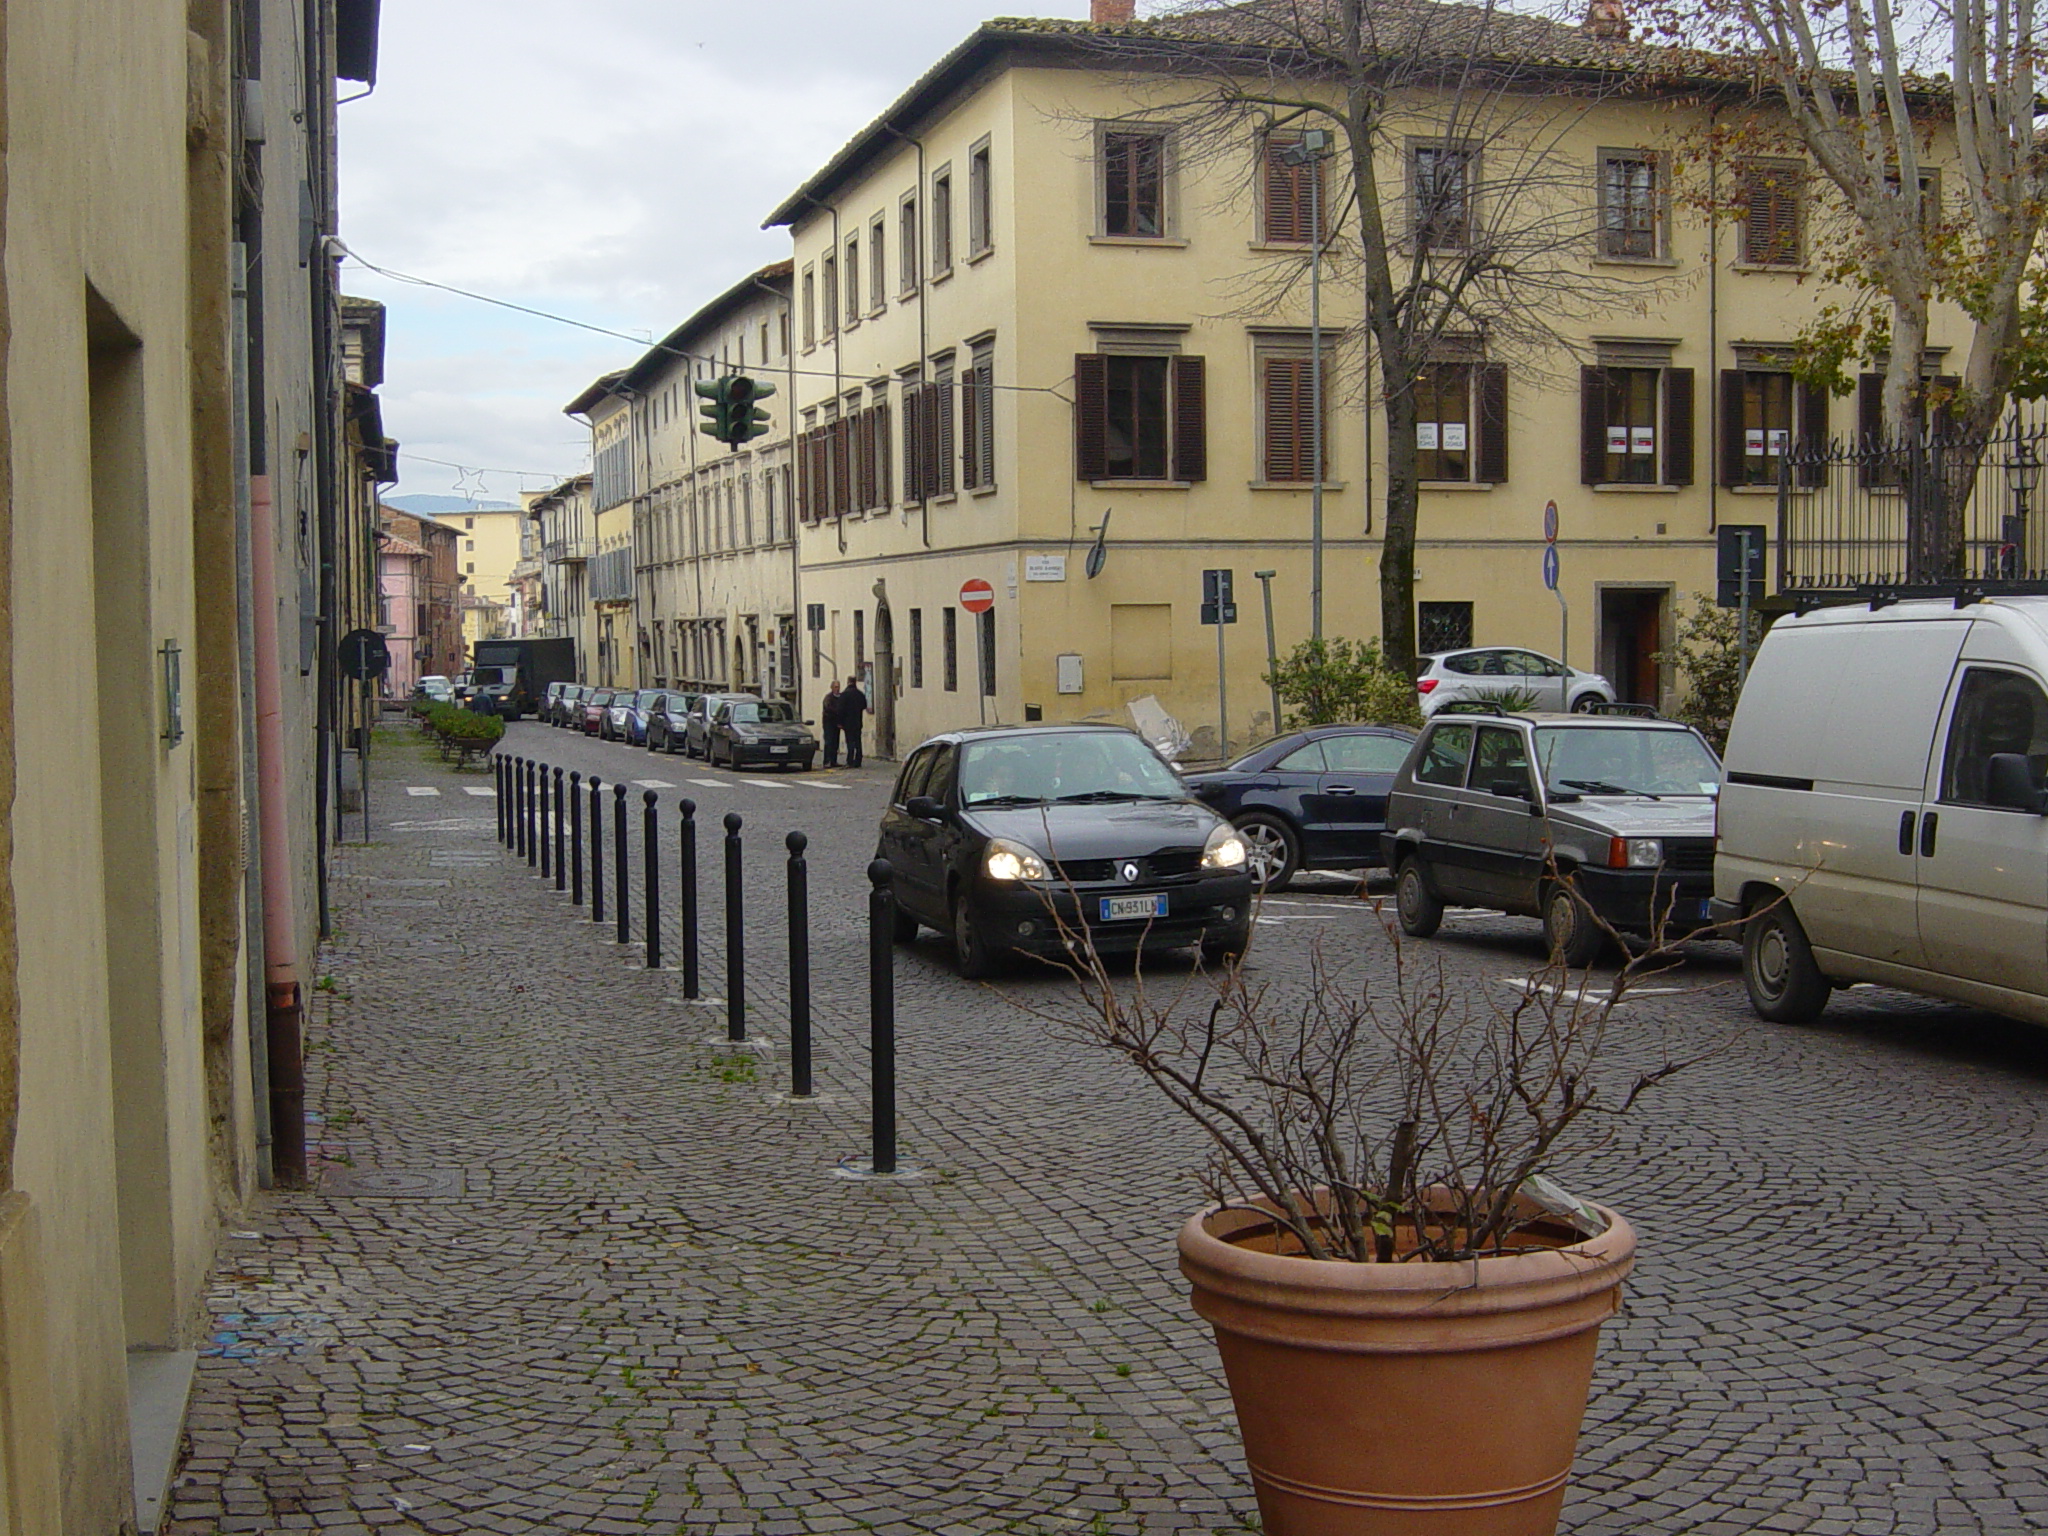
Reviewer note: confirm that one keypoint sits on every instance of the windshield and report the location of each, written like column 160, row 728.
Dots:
column 485, row 676
column 1617, row 760
column 1076, row 767
column 749, row 712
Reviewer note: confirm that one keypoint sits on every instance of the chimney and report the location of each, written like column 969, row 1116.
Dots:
column 1111, row 13
column 1608, row 20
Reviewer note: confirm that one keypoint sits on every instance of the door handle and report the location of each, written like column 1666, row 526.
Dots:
column 1340, row 789
column 1906, row 819
column 1927, row 825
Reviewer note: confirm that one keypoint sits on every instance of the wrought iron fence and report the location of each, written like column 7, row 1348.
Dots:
column 1932, row 513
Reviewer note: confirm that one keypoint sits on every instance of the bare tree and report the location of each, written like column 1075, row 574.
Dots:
column 1872, row 87
column 1464, row 226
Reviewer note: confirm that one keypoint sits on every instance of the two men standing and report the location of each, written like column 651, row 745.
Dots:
column 840, row 717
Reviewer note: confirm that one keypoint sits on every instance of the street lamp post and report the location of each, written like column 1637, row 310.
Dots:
column 1308, row 151
column 2023, row 474
column 1265, row 580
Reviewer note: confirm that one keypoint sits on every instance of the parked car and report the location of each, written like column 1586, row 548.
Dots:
column 1015, row 838
column 1884, row 818
column 549, row 711
column 1556, row 816
column 592, row 705
column 697, row 723
column 569, row 705
column 435, row 687
column 1309, row 799
column 765, row 731
column 626, row 719
column 667, row 727
column 1488, row 672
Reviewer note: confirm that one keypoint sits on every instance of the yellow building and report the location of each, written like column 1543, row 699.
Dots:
column 485, row 555
column 184, row 475
column 1035, row 320
column 561, row 606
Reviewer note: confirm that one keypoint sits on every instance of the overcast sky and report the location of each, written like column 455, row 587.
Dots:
column 609, row 160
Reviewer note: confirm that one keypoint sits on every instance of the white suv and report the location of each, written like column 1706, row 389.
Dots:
column 1488, row 672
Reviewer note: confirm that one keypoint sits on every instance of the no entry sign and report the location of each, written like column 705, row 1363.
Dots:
column 977, row 596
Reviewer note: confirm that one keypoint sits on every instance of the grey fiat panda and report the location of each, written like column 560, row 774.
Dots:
column 1559, row 817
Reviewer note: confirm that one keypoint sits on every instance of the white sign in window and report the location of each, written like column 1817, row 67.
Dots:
column 1425, row 436
column 1780, row 440
column 1753, row 444
column 1617, row 439
column 1642, row 439
column 1454, row 437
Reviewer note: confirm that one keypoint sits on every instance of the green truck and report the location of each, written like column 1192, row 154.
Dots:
column 514, row 674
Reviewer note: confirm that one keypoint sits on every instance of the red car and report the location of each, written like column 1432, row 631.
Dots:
column 593, row 705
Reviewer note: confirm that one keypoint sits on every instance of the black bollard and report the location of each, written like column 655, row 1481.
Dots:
column 799, row 968
column 621, row 909
column 498, row 790
column 735, row 935
column 650, row 852
column 517, row 841
column 576, row 838
column 882, row 1016
column 596, row 849
column 561, row 835
column 532, row 814
column 545, row 865
column 688, row 889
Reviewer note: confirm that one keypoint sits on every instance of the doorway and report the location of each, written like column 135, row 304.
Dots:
column 1632, row 625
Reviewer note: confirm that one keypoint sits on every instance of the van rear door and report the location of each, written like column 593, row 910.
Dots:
column 1983, row 870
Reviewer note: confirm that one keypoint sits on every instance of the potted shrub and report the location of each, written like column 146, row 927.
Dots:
column 1406, row 1306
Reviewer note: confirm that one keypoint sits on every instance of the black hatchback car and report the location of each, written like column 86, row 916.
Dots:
column 1309, row 799
column 1026, row 838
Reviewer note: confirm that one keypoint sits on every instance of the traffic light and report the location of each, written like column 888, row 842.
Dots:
column 713, row 418
column 745, row 419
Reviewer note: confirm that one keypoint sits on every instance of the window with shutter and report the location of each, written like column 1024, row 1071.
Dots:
column 940, row 433
column 1290, row 199
column 1091, row 416
column 1493, row 423
column 942, row 222
column 1289, row 452
column 1772, row 202
column 980, row 201
column 984, row 408
column 1443, row 422
column 885, row 484
column 1190, row 419
column 1140, row 416
column 970, row 430
column 916, row 482
column 1759, row 423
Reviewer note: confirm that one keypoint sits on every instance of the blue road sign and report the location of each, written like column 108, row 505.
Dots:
column 1550, row 566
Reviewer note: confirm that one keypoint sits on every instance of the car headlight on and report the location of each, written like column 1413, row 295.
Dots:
column 1635, row 853
column 1224, row 849
column 1005, row 860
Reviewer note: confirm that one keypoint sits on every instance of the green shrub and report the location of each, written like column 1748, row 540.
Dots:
column 1342, row 682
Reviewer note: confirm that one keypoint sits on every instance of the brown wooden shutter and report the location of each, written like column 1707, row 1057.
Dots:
column 803, row 477
column 1813, row 434
column 945, row 455
column 1592, row 425
column 1190, row 419
column 913, row 442
column 1287, row 196
column 1678, row 412
column 1287, row 452
column 970, row 429
column 885, row 484
column 1732, row 444
column 1771, row 216
column 1091, row 416
column 985, row 414
column 1493, row 423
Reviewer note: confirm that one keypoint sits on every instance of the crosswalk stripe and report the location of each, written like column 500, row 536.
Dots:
column 653, row 784
column 712, row 783
column 480, row 791
column 422, row 789
column 820, row 784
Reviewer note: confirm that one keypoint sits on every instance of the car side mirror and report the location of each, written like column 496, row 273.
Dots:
column 2009, row 784
column 924, row 808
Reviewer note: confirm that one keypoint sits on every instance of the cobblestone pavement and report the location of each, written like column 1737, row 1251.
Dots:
column 571, row 1265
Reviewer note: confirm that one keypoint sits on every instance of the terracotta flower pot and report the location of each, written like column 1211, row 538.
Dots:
column 1408, row 1399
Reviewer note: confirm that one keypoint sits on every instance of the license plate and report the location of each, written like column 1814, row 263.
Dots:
column 780, row 751
column 1700, row 909
column 1118, row 907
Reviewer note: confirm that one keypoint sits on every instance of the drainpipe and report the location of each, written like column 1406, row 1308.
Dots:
column 284, row 999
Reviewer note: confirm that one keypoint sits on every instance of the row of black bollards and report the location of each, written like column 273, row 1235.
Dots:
column 540, row 819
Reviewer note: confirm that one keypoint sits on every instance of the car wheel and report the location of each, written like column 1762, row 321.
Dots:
column 1785, row 986
column 1585, row 703
column 1569, row 930
column 1420, row 909
column 971, row 955
column 1274, row 853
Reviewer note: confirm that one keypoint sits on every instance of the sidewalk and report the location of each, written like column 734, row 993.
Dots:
column 570, row 1266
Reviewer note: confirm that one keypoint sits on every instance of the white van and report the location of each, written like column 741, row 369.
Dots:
column 1883, row 813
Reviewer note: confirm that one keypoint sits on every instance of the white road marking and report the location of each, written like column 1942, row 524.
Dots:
column 712, row 783
column 820, row 784
column 479, row 791
column 761, row 784
column 653, row 784
column 422, row 789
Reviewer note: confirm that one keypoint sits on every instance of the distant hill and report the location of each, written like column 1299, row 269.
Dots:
column 424, row 505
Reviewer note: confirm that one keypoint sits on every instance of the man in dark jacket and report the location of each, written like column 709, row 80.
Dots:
column 853, row 704
column 828, row 722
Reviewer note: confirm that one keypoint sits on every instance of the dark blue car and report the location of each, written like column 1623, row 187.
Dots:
column 1309, row 799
